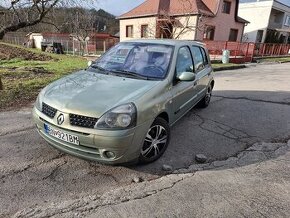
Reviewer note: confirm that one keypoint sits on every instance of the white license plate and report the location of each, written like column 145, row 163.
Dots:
column 61, row 135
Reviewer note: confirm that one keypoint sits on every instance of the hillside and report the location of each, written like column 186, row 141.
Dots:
column 61, row 18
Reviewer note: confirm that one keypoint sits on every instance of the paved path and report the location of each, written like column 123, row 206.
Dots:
column 261, row 189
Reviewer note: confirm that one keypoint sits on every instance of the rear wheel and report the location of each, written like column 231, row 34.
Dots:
column 155, row 142
column 206, row 99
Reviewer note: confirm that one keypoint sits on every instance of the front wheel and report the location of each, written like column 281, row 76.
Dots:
column 155, row 142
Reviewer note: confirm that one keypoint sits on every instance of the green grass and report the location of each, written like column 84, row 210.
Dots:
column 281, row 59
column 223, row 65
column 22, row 79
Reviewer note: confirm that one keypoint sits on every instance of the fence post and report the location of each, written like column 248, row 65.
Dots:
column 273, row 47
column 226, row 45
column 280, row 48
column 105, row 46
column 247, row 50
column 263, row 51
column 73, row 47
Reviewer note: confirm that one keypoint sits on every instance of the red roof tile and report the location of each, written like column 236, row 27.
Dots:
column 170, row 7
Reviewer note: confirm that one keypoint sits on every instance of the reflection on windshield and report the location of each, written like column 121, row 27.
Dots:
column 148, row 60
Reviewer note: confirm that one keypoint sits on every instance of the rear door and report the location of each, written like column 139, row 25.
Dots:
column 202, row 69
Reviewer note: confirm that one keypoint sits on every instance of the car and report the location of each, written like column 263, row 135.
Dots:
column 120, row 109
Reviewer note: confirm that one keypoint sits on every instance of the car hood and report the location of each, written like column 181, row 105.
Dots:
column 92, row 94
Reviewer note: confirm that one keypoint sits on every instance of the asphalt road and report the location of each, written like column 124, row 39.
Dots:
column 249, row 105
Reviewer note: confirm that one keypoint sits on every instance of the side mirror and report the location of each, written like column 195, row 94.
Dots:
column 90, row 63
column 186, row 76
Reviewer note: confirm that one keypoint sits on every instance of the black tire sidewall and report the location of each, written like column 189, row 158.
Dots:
column 203, row 103
column 164, row 123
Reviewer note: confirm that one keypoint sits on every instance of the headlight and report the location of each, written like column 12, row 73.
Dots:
column 38, row 102
column 121, row 117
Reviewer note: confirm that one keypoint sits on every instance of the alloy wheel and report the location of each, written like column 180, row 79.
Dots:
column 155, row 141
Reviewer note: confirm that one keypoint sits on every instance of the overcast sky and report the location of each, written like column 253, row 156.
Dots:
column 118, row 7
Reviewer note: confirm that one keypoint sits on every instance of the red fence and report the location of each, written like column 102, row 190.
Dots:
column 241, row 52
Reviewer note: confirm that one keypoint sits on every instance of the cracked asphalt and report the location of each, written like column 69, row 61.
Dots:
column 249, row 106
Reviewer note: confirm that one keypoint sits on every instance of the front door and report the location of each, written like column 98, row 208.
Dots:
column 184, row 92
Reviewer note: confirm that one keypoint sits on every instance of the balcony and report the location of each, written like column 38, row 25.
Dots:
column 276, row 19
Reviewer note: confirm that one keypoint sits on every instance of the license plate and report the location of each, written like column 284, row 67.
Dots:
column 66, row 137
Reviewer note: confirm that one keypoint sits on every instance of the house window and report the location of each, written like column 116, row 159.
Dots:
column 287, row 21
column 129, row 31
column 227, row 7
column 144, row 31
column 209, row 33
column 233, row 35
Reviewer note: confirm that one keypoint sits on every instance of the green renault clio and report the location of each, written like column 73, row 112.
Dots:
column 121, row 108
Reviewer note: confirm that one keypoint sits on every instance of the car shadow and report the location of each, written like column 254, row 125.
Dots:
column 234, row 121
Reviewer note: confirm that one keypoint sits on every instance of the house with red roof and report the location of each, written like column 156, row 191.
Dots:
column 184, row 19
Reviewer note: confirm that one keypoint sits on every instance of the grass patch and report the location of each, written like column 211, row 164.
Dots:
column 23, row 79
column 217, row 65
column 278, row 59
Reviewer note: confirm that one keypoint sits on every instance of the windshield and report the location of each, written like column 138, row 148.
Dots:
column 139, row 59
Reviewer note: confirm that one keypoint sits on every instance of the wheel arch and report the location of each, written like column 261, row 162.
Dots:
column 164, row 115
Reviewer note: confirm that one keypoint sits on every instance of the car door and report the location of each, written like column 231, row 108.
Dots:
column 202, row 69
column 184, row 93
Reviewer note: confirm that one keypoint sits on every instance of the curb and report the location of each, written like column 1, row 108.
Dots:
column 229, row 68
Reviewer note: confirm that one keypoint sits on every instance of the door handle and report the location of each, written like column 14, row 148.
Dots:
column 195, row 83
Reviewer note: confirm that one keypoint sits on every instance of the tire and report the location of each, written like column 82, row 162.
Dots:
column 206, row 99
column 156, row 141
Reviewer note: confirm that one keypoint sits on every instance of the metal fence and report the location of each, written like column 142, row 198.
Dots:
column 70, row 46
column 241, row 52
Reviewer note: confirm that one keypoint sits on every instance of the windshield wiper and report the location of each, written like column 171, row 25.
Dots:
column 132, row 74
column 98, row 67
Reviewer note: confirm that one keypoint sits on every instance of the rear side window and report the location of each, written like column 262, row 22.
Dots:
column 197, row 58
column 205, row 58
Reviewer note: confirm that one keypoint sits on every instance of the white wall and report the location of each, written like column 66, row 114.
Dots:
column 186, row 33
column 258, row 14
column 137, row 22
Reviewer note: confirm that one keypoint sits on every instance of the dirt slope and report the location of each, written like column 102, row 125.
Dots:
column 9, row 52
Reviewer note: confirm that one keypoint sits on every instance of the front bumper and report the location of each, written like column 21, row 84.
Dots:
column 126, row 144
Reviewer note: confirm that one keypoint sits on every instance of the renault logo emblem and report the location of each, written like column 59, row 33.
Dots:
column 60, row 119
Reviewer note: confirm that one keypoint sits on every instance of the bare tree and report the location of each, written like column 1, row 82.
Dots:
column 175, row 26
column 184, row 22
column 82, row 27
column 18, row 14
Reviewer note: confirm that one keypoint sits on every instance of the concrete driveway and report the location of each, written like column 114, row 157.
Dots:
column 249, row 106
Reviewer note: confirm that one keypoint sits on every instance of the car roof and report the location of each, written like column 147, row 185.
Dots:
column 173, row 42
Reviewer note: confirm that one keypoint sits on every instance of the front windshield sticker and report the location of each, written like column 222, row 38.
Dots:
column 118, row 59
column 121, row 54
column 159, row 49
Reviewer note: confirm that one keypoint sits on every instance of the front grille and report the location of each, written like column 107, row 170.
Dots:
column 82, row 121
column 48, row 111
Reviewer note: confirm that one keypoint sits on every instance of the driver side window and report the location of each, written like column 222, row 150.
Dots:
column 184, row 61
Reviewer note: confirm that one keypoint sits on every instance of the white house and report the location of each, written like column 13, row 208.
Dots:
column 269, row 21
column 184, row 19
